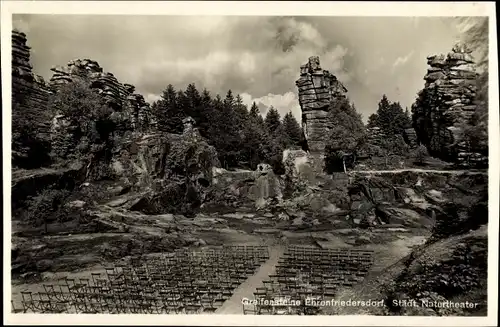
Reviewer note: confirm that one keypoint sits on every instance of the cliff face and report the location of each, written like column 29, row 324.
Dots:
column 317, row 88
column 30, row 96
column 446, row 104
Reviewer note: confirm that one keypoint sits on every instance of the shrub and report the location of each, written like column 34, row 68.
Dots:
column 43, row 208
column 85, row 118
column 419, row 154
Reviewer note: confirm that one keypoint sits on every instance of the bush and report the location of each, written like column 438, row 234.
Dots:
column 44, row 207
column 419, row 154
column 85, row 119
column 395, row 145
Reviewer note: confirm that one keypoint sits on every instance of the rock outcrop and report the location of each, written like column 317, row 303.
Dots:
column 317, row 89
column 410, row 137
column 120, row 97
column 446, row 104
column 30, row 96
column 170, row 172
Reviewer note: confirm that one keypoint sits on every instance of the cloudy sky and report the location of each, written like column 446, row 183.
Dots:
column 255, row 56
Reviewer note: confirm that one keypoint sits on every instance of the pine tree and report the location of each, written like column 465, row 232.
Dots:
column 241, row 110
column 390, row 117
column 372, row 120
column 169, row 112
column 272, row 120
column 229, row 100
column 408, row 115
column 254, row 111
column 193, row 103
column 292, row 129
column 255, row 139
column 206, row 114
column 255, row 114
column 224, row 131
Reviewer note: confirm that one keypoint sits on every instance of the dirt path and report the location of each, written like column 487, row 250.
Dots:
column 245, row 290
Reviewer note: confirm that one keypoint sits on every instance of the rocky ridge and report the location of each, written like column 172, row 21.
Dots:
column 120, row 97
column 446, row 104
column 317, row 89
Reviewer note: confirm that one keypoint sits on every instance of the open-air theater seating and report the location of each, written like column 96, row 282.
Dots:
column 179, row 282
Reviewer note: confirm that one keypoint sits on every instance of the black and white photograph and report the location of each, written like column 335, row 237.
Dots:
column 260, row 164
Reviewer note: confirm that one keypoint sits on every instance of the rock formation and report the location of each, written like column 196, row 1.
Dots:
column 317, row 89
column 168, row 172
column 446, row 104
column 120, row 97
column 29, row 104
column 410, row 137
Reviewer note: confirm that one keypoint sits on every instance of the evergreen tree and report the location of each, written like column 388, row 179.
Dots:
column 254, row 111
column 229, row 100
column 255, row 114
column 254, row 142
column 390, row 117
column 192, row 105
column 292, row 129
column 224, row 131
column 372, row 120
column 272, row 120
column 408, row 115
column 205, row 114
column 169, row 113
column 241, row 110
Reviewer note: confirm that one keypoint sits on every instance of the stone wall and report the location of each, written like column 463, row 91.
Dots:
column 446, row 104
column 120, row 97
column 317, row 88
column 30, row 96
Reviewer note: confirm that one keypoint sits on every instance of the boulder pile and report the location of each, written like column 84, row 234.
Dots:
column 317, row 89
column 446, row 104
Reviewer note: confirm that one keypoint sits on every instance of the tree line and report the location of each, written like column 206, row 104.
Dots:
column 241, row 136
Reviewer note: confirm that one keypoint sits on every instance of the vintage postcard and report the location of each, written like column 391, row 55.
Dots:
column 250, row 163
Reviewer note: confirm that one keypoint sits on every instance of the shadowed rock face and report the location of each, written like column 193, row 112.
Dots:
column 317, row 89
column 30, row 96
column 446, row 104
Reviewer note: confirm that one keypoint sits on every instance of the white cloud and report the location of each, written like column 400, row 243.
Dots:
column 150, row 98
column 403, row 60
column 282, row 102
